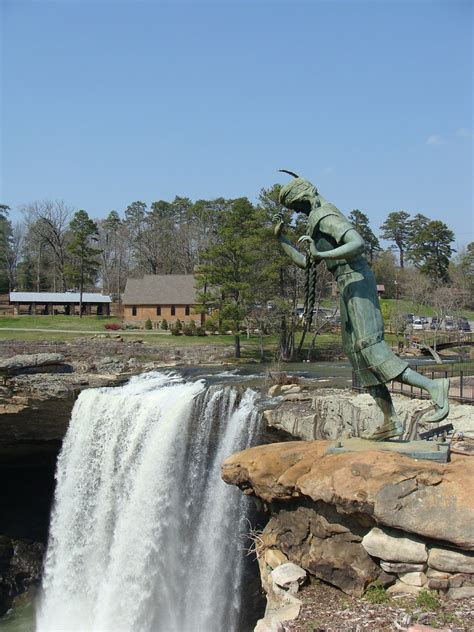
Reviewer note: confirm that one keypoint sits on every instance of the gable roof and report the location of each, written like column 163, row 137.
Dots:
column 161, row 289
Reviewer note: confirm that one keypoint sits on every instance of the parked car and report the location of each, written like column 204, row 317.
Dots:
column 434, row 323
column 409, row 317
column 463, row 325
column 424, row 320
column 417, row 324
column 449, row 324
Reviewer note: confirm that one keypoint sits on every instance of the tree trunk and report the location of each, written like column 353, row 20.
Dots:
column 401, row 259
column 237, row 345
column 81, row 287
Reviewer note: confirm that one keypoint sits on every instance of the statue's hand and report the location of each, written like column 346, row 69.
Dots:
column 310, row 247
column 280, row 223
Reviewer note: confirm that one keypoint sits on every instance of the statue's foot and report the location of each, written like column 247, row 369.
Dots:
column 388, row 430
column 440, row 401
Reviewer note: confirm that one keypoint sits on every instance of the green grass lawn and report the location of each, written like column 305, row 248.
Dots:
column 74, row 327
column 406, row 307
column 88, row 323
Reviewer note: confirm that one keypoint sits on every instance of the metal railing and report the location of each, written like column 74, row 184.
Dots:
column 461, row 386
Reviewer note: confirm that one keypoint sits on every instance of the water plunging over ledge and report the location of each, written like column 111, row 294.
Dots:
column 144, row 535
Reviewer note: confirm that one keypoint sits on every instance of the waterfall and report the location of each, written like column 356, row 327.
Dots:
column 144, row 534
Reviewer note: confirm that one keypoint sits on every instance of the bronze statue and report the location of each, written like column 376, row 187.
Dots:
column 330, row 236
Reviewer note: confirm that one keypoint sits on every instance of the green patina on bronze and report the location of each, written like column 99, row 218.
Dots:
column 330, row 236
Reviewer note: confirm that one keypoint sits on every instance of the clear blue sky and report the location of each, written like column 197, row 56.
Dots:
column 104, row 103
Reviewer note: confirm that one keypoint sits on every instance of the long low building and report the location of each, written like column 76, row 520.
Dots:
column 59, row 302
column 161, row 297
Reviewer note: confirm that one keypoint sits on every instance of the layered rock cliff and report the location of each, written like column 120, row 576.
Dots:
column 354, row 518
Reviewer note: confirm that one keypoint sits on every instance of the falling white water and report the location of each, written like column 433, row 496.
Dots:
column 144, row 534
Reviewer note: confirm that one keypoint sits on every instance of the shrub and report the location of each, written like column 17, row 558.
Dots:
column 190, row 329
column 177, row 328
column 200, row 331
column 148, row 324
column 427, row 599
column 376, row 593
column 164, row 324
column 113, row 326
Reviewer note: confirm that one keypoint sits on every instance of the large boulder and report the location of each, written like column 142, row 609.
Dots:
column 325, row 544
column 430, row 500
column 34, row 363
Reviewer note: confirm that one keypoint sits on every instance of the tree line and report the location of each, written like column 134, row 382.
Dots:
column 228, row 244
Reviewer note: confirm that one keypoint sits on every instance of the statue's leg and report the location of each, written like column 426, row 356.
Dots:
column 391, row 426
column 438, row 390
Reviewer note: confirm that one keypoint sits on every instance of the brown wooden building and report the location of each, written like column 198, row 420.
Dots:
column 59, row 303
column 161, row 297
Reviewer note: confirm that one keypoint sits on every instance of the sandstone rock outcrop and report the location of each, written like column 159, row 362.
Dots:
column 333, row 413
column 356, row 517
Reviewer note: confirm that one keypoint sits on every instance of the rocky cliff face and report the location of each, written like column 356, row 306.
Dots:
column 333, row 413
column 351, row 519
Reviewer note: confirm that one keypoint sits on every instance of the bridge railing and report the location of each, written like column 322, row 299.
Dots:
column 461, row 386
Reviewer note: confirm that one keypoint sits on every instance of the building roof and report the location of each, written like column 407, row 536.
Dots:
column 161, row 289
column 58, row 297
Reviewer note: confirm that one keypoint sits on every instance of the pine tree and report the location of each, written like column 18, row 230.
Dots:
column 84, row 265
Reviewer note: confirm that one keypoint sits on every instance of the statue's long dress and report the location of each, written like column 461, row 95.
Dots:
column 361, row 320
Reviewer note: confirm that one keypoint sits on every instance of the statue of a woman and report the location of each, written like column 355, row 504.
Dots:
column 330, row 236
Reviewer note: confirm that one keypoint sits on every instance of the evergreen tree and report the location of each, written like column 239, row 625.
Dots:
column 224, row 277
column 430, row 247
column 84, row 265
column 360, row 221
column 396, row 228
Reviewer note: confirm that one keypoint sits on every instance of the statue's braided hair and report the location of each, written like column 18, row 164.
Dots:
column 309, row 291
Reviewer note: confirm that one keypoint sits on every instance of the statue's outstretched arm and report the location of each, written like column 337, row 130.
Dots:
column 353, row 246
column 296, row 256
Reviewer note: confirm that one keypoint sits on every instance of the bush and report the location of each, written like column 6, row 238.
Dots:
column 200, row 331
column 177, row 328
column 148, row 324
column 427, row 599
column 376, row 593
column 164, row 324
column 190, row 329
column 113, row 326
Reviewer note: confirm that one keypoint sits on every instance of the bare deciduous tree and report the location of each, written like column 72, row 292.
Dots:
column 49, row 222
